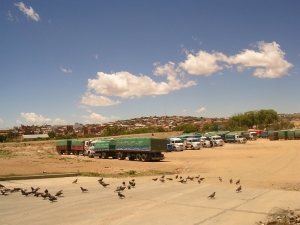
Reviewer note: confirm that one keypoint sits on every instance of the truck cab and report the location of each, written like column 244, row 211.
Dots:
column 175, row 144
column 253, row 135
column 192, row 143
column 206, row 142
column 218, row 141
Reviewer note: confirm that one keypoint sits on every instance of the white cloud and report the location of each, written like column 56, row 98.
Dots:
column 202, row 63
column 84, row 107
column 201, row 110
column 35, row 119
column 66, row 70
column 268, row 61
column 1, row 121
column 96, row 100
column 97, row 118
column 58, row 121
column 9, row 16
column 29, row 12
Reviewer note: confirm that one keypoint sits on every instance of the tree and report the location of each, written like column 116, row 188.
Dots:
column 51, row 134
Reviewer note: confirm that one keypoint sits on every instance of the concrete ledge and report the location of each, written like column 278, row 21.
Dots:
column 40, row 176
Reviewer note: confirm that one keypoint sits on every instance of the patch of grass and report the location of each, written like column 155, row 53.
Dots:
column 131, row 172
column 62, row 159
column 6, row 154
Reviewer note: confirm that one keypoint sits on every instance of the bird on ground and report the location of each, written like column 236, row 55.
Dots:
column 176, row 177
column 83, row 189
column 132, row 183
column 75, row 181
column 35, row 189
column 155, row 179
column 180, row 177
column 128, row 187
column 238, row 182
column 197, row 177
column 59, row 193
column 133, row 180
column 104, row 184
column 26, row 193
column 101, row 179
column 37, row 194
column 162, row 180
column 230, row 181
column 162, row 177
column 212, row 195
column 220, row 179
column 124, row 183
column 181, row 180
column 201, row 178
column 45, row 195
column 2, row 186
column 169, row 178
column 199, row 181
column 17, row 189
column 46, row 191
column 52, row 198
column 3, row 192
column 239, row 189
column 121, row 195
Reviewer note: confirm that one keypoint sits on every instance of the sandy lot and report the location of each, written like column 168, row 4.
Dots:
column 259, row 164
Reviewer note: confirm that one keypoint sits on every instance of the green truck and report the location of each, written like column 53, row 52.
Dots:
column 70, row 146
column 140, row 149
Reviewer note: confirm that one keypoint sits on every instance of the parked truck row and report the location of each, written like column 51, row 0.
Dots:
column 140, row 149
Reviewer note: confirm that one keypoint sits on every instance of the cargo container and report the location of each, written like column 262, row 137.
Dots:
column 222, row 134
column 64, row 146
column 290, row 134
column 297, row 134
column 141, row 149
column 282, row 135
column 264, row 134
column 273, row 135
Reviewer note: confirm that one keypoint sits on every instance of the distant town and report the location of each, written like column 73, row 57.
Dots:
column 167, row 123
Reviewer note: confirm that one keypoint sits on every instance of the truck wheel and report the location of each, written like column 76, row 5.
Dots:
column 121, row 156
column 145, row 158
column 174, row 149
column 138, row 157
column 104, row 155
column 192, row 148
column 131, row 158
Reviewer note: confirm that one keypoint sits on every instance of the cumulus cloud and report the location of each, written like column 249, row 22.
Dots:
column 96, row 100
column 58, row 121
column 29, row 12
column 66, row 70
column 268, row 61
column 84, row 107
column 201, row 110
column 35, row 119
column 97, row 118
column 1, row 121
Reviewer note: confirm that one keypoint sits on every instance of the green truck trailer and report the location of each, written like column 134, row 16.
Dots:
column 140, row 149
column 70, row 146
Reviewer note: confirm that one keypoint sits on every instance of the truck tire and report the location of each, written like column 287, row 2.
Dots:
column 104, row 155
column 138, row 157
column 145, row 158
column 120, row 156
column 131, row 158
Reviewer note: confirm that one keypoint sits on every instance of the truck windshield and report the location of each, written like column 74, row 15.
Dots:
column 178, row 141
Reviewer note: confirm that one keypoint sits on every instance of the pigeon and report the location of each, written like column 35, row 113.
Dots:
column 128, row 187
column 239, row 189
column 162, row 180
column 101, row 179
column 124, row 183
column 155, row 179
column 201, row 178
column 3, row 192
column 199, row 181
column 75, row 181
column 59, row 193
column 220, row 179
column 197, row 177
column 180, row 177
column 163, row 176
column 52, row 198
column 132, row 183
column 176, row 177
column 238, row 182
column 2, row 186
column 230, row 180
column 45, row 195
column 212, row 195
column 83, row 189
column 37, row 194
column 169, row 178
column 121, row 195
column 46, row 191
column 104, row 184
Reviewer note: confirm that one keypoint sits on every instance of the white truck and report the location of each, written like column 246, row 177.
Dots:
column 192, row 143
column 206, row 142
column 253, row 135
column 218, row 141
column 174, row 144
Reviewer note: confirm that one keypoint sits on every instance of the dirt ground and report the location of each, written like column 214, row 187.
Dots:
column 259, row 164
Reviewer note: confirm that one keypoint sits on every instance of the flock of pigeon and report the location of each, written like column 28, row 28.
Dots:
column 131, row 184
column 199, row 179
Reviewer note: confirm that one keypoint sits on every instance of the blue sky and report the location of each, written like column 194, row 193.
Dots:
column 63, row 62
